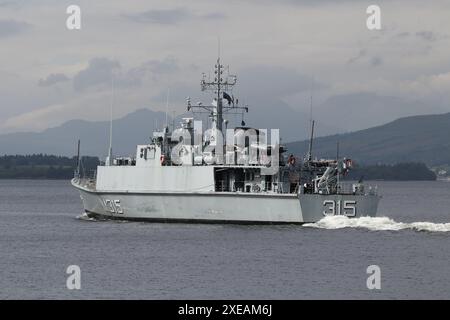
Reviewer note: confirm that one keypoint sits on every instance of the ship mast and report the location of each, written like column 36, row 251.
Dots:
column 218, row 72
column 218, row 86
column 221, row 85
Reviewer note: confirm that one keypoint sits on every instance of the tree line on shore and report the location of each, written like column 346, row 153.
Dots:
column 42, row 166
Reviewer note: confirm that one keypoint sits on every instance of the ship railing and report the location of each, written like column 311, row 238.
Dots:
column 242, row 186
column 356, row 188
column 345, row 188
column 88, row 179
column 90, row 175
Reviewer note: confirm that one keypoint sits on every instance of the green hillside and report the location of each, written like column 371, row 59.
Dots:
column 423, row 139
column 396, row 172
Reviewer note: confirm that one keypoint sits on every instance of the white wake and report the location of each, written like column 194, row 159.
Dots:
column 376, row 224
column 85, row 217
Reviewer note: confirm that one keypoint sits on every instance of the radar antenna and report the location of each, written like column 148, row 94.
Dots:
column 222, row 86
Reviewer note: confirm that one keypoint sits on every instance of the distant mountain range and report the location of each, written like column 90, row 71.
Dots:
column 411, row 139
column 359, row 111
column 137, row 128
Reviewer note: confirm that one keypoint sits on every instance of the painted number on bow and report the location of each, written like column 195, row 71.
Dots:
column 113, row 206
column 337, row 208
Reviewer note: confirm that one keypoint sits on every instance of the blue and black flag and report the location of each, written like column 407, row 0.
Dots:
column 227, row 97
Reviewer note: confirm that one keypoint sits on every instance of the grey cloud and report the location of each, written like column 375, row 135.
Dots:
column 172, row 16
column 169, row 16
column 362, row 53
column 99, row 71
column 254, row 84
column 376, row 61
column 423, row 35
column 153, row 68
column 130, row 78
column 402, row 35
column 168, row 65
column 274, row 82
column 12, row 27
column 53, row 79
column 313, row 3
column 214, row 15
column 426, row 35
column 5, row 4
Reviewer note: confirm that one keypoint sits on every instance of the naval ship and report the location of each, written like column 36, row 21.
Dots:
column 222, row 175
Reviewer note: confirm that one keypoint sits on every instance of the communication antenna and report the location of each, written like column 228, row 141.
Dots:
column 167, row 107
column 337, row 151
column 77, row 172
column 338, row 168
column 109, row 159
column 311, row 142
column 311, row 102
column 218, row 47
column 311, row 122
column 173, row 120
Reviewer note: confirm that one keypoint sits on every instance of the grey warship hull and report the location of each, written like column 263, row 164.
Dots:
column 223, row 207
column 215, row 176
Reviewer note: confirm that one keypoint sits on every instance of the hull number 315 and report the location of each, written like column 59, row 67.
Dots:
column 113, row 206
column 338, row 208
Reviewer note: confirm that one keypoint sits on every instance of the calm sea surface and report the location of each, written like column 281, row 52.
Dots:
column 40, row 236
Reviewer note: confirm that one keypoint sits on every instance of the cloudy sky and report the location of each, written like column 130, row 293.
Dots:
column 280, row 49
